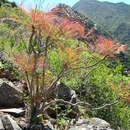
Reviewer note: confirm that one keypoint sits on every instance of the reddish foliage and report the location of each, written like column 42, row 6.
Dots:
column 51, row 22
column 55, row 25
column 26, row 62
column 109, row 47
column 73, row 27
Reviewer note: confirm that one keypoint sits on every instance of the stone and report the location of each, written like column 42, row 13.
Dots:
column 45, row 126
column 63, row 92
column 9, row 123
column 36, row 127
column 91, row 124
column 10, row 95
column 18, row 111
column 73, row 96
column 22, row 122
column 1, row 125
column 99, row 122
column 48, row 126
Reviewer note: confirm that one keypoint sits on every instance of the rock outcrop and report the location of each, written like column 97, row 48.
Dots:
column 10, row 95
column 91, row 124
column 8, row 123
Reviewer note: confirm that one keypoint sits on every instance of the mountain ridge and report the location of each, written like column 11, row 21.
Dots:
column 111, row 16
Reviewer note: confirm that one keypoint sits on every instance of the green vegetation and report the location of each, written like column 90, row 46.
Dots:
column 45, row 54
column 97, row 89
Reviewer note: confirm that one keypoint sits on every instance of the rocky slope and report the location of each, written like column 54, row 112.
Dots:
column 63, row 10
column 13, row 118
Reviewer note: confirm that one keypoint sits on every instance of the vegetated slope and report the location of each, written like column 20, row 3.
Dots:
column 94, row 31
column 10, row 27
column 63, row 10
column 113, row 17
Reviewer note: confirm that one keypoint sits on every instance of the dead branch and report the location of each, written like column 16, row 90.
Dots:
column 78, row 103
column 105, row 105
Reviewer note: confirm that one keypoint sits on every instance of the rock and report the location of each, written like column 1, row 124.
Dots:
column 1, row 125
column 48, row 126
column 91, row 124
column 73, row 96
column 37, row 127
column 22, row 122
column 10, row 95
column 18, row 111
column 65, row 93
column 99, row 122
column 9, row 123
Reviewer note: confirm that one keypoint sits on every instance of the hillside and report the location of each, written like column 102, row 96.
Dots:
column 61, row 12
column 114, row 18
column 59, row 71
column 9, row 27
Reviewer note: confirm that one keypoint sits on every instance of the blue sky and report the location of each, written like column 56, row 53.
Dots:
column 47, row 4
column 28, row 4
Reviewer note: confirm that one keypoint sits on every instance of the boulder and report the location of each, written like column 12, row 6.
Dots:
column 46, row 126
column 10, row 95
column 91, row 124
column 1, row 125
column 17, row 111
column 22, row 122
column 8, row 123
column 65, row 93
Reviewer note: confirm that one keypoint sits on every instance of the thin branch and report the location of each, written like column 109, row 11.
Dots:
column 87, row 67
column 100, row 61
column 31, row 37
column 78, row 103
column 65, row 102
column 52, row 85
column 106, row 105
column 44, row 67
column 28, row 82
column 50, row 88
column 34, row 66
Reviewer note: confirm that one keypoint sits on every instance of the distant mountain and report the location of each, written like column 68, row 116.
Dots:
column 113, row 17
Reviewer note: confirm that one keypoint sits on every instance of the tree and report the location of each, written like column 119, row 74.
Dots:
column 107, row 46
column 36, row 56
